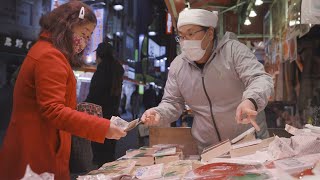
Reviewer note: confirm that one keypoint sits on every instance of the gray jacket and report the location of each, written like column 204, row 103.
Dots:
column 231, row 75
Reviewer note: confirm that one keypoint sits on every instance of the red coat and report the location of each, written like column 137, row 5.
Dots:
column 44, row 115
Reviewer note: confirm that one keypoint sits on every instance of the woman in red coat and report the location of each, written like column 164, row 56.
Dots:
column 44, row 115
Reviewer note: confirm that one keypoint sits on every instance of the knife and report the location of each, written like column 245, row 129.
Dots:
column 133, row 124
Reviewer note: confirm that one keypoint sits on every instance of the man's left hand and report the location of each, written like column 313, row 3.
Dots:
column 246, row 114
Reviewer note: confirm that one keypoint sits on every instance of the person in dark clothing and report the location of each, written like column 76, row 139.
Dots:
column 150, row 98
column 159, row 96
column 6, row 100
column 135, row 103
column 123, row 103
column 105, row 90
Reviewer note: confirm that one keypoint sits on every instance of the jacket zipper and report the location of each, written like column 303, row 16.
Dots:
column 210, row 103
column 209, row 100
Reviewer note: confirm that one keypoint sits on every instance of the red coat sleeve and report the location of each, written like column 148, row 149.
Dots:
column 51, row 75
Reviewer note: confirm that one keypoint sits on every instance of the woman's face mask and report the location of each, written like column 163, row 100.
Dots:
column 81, row 36
column 79, row 43
column 192, row 48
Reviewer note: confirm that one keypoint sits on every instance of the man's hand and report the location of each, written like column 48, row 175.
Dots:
column 246, row 114
column 115, row 132
column 151, row 117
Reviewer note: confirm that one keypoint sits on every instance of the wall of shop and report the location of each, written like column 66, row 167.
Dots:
column 19, row 22
column 20, row 18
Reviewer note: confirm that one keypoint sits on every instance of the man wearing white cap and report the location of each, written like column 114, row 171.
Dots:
column 223, row 83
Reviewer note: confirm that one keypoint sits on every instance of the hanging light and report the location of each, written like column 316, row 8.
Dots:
column 152, row 28
column 188, row 5
column 152, row 33
column 117, row 6
column 118, row 33
column 247, row 22
column 258, row 2
column 292, row 23
column 252, row 13
column 110, row 35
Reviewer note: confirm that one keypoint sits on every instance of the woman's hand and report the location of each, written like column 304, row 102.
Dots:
column 115, row 132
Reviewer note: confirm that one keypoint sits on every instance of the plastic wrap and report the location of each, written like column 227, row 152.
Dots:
column 228, row 171
column 303, row 142
column 30, row 175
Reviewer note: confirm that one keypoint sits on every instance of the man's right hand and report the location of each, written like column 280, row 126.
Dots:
column 151, row 117
column 115, row 132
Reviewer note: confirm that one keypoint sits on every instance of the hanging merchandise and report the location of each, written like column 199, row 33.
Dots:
column 275, row 50
column 296, row 25
column 289, row 47
column 285, row 46
column 278, row 84
column 288, row 79
column 293, row 21
column 267, row 33
column 292, row 49
column 304, row 29
column 278, row 16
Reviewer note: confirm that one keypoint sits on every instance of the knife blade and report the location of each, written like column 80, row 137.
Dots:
column 133, row 124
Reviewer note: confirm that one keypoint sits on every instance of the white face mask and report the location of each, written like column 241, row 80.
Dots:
column 192, row 49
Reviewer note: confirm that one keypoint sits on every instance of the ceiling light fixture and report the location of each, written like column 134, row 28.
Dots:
column 118, row 7
column 252, row 13
column 247, row 22
column 258, row 2
column 152, row 33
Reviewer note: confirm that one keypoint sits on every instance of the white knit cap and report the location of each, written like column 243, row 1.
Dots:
column 198, row 17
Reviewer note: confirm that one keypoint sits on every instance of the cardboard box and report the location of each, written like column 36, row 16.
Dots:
column 181, row 136
column 250, row 149
column 245, row 136
column 217, row 150
column 248, row 137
